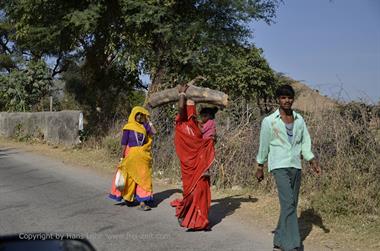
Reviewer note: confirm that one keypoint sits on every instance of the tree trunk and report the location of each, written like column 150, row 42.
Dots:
column 157, row 79
column 159, row 70
column 197, row 94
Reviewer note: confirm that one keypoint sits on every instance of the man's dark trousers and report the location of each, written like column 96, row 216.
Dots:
column 288, row 181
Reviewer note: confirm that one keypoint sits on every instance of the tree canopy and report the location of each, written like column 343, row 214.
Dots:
column 107, row 44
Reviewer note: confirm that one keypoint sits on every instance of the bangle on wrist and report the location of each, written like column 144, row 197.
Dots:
column 182, row 93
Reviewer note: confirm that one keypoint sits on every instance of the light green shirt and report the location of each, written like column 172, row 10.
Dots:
column 275, row 146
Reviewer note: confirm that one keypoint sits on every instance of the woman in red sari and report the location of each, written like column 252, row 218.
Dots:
column 196, row 156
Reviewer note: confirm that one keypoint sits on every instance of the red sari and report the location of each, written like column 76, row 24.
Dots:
column 196, row 156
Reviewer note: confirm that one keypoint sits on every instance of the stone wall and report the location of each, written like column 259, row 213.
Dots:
column 53, row 127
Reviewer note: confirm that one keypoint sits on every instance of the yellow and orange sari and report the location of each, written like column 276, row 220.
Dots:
column 136, row 167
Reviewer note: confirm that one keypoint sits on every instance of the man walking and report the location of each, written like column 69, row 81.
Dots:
column 283, row 139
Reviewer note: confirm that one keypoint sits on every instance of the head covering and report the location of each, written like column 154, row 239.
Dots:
column 132, row 124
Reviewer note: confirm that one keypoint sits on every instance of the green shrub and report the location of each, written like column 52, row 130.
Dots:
column 20, row 134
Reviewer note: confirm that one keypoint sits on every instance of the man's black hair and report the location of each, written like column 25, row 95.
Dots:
column 285, row 90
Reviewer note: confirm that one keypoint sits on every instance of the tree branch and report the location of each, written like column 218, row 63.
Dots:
column 196, row 79
column 140, row 85
column 57, row 63
column 4, row 45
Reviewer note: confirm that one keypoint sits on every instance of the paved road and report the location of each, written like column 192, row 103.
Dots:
column 39, row 194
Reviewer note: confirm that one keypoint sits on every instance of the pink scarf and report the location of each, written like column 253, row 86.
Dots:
column 209, row 129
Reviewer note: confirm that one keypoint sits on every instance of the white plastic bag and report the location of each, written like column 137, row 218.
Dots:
column 119, row 181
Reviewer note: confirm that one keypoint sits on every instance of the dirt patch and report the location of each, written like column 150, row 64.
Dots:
column 318, row 234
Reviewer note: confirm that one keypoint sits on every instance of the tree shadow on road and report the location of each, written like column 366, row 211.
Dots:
column 307, row 220
column 226, row 206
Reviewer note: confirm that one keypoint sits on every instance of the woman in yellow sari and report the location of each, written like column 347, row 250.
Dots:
column 136, row 165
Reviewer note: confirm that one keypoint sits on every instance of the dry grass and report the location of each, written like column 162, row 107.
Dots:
column 345, row 200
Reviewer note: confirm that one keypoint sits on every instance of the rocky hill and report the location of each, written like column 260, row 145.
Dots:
column 310, row 100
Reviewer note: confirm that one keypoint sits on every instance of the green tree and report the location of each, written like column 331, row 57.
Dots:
column 7, row 51
column 164, row 36
column 78, row 36
column 110, row 100
column 179, row 36
column 114, row 41
column 24, row 89
column 244, row 70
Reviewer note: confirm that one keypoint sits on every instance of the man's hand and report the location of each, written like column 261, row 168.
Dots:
column 259, row 173
column 316, row 167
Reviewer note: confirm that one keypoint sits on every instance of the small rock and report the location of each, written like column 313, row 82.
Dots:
column 236, row 188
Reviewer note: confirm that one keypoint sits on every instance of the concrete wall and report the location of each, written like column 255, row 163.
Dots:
column 54, row 127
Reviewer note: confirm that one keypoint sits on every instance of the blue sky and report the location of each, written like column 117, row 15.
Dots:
column 332, row 45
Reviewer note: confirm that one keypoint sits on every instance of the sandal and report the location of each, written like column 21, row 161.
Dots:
column 277, row 248
column 144, row 208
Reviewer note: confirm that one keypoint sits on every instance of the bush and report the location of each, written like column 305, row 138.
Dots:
column 112, row 146
column 21, row 134
column 343, row 141
column 349, row 152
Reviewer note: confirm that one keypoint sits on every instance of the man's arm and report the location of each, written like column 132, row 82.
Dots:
column 306, row 150
column 262, row 155
column 265, row 136
column 306, row 144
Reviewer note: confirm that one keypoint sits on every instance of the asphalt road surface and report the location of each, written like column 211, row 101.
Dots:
column 39, row 194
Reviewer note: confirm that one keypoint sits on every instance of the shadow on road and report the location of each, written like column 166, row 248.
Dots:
column 226, row 206
column 2, row 150
column 158, row 198
column 5, row 152
column 163, row 195
column 307, row 219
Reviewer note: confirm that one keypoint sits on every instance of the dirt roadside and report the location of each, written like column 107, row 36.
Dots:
column 242, row 205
